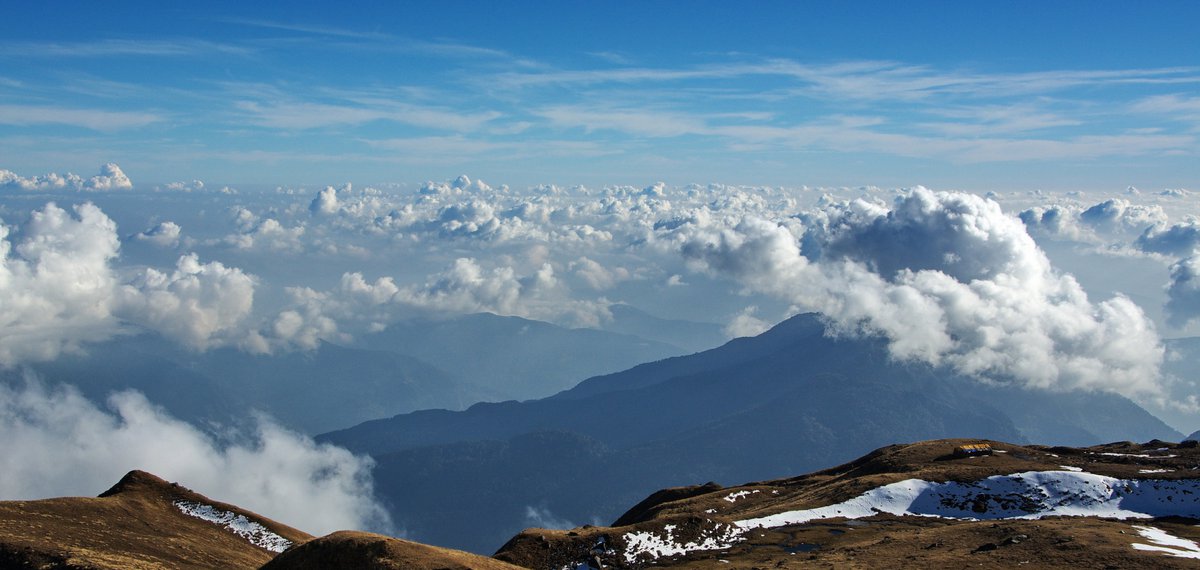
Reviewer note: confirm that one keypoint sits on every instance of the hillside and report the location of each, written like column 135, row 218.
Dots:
column 919, row 505
column 1112, row 506
column 142, row 522
column 788, row 401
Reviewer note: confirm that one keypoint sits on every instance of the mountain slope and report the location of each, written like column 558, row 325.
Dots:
column 511, row 358
column 1117, row 506
column 142, row 522
column 689, row 335
column 790, row 400
column 352, row 550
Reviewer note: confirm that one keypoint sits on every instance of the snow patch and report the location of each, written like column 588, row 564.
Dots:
column 255, row 533
column 646, row 544
column 1069, row 468
column 1154, row 470
column 1028, row 495
column 733, row 497
column 1166, row 543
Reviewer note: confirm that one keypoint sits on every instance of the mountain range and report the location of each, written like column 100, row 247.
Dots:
column 791, row 400
column 412, row 365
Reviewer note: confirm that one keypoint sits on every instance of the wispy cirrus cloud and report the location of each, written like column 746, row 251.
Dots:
column 186, row 47
column 978, row 142
column 94, row 119
column 310, row 115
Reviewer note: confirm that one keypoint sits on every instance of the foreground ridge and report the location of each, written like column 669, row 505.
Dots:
column 1116, row 505
column 914, row 505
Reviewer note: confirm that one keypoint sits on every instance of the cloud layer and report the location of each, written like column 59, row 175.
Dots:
column 69, row 446
column 946, row 278
column 59, row 290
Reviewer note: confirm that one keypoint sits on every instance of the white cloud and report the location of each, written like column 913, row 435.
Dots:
column 325, row 203
column 746, row 324
column 111, row 177
column 58, row 291
column 1176, row 240
column 1183, row 292
column 947, row 278
column 598, row 276
column 69, row 446
column 94, row 119
column 466, row 287
column 164, row 234
column 266, row 234
column 56, row 285
column 198, row 305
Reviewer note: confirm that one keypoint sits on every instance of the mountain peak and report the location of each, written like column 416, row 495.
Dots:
column 139, row 481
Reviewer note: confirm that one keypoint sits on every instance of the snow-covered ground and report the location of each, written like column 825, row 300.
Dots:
column 1166, row 543
column 655, row 545
column 1028, row 495
column 257, row 534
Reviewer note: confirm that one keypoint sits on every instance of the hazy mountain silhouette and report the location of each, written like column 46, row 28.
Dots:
column 419, row 364
column 689, row 335
column 511, row 358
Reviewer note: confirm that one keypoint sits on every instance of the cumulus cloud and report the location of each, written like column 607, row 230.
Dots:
column 598, row 276
column 111, row 177
column 746, row 324
column 1115, row 218
column 164, row 234
column 1183, row 292
column 56, row 285
column 186, row 187
column 325, row 203
column 466, row 287
column 946, row 278
column 255, row 233
column 69, row 446
column 198, row 304
column 59, row 291
column 1175, row 240
column 463, row 288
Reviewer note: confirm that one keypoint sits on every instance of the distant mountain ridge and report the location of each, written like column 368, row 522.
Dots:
column 790, row 400
column 413, row 365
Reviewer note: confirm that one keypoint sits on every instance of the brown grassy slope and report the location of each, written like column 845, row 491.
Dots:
column 352, row 550
column 886, row 541
column 134, row 525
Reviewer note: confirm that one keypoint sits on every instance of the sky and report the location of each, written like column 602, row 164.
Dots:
column 1005, row 190
column 1010, row 96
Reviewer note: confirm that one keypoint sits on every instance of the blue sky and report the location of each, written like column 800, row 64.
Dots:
column 1006, row 96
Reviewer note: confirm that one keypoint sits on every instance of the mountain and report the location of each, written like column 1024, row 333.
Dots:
column 413, row 365
column 147, row 523
column 689, row 335
column 313, row 391
column 790, row 400
column 1194, row 437
column 919, row 505
column 141, row 522
column 511, row 358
